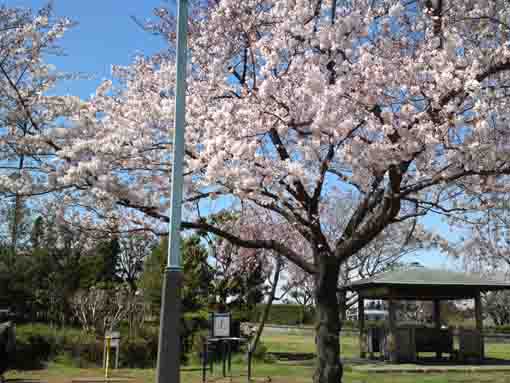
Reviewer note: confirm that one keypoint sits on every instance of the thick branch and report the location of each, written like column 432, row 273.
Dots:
column 269, row 244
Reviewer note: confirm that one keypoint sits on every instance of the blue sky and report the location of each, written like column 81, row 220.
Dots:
column 433, row 257
column 106, row 35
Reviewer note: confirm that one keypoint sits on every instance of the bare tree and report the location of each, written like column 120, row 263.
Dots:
column 100, row 310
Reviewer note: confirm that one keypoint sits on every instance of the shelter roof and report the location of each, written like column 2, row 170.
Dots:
column 416, row 282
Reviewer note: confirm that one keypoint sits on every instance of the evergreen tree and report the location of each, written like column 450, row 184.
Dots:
column 196, row 272
column 36, row 237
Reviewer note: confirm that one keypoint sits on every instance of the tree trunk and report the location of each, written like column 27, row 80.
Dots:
column 342, row 298
column 265, row 314
column 267, row 308
column 328, row 325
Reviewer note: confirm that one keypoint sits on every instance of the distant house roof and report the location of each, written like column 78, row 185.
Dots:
column 419, row 282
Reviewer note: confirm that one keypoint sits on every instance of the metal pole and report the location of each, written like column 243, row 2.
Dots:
column 361, row 322
column 117, row 351
column 229, row 345
column 204, row 362
column 108, row 342
column 224, row 358
column 249, row 362
column 211, row 357
column 169, row 330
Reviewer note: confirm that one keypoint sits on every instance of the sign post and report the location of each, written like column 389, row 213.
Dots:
column 112, row 340
column 221, row 325
column 108, row 344
column 218, row 345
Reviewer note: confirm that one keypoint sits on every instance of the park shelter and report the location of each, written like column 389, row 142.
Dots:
column 404, row 343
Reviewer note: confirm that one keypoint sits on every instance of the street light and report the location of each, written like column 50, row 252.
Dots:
column 170, row 317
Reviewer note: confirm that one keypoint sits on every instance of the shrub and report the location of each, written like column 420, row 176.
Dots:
column 501, row 329
column 32, row 353
column 36, row 344
column 139, row 353
column 86, row 353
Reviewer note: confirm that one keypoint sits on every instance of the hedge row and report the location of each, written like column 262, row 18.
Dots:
column 284, row 314
column 38, row 344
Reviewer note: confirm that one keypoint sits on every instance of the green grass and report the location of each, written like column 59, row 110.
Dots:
column 305, row 343
column 349, row 345
column 280, row 372
column 498, row 350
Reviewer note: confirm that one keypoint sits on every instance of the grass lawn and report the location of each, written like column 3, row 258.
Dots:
column 305, row 344
column 350, row 347
column 279, row 372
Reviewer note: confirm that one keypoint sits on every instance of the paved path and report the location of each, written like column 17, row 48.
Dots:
column 415, row 368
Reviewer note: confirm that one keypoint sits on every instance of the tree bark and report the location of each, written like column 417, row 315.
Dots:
column 328, row 323
column 342, row 298
column 267, row 308
column 265, row 315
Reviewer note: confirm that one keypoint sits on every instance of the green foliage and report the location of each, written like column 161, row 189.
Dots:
column 37, row 344
column 16, row 223
column 36, row 237
column 235, row 287
column 38, row 283
column 31, row 353
column 54, row 278
column 198, row 345
column 100, row 266
column 152, row 277
column 109, row 252
column 245, row 290
column 197, row 274
column 16, row 274
column 196, row 271
column 139, row 353
column 502, row 329
column 91, row 267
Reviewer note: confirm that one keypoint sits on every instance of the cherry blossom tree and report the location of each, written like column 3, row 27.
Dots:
column 484, row 249
column 485, row 235
column 28, row 114
column 397, row 106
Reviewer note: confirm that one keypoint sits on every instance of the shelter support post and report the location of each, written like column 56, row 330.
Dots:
column 479, row 323
column 437, row 321
column 361, row 322
column 392, row 335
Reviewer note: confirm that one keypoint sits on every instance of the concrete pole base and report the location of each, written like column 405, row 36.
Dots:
column 169, row 328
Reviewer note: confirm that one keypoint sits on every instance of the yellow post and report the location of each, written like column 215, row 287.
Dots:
column 108, row 344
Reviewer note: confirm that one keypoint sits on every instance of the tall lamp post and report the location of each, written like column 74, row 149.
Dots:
column 170, row 317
